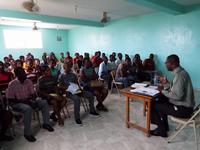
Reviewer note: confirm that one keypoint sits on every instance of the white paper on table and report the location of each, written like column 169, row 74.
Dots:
column 153, row 87
column 145, row 91
column 73, row 88
column 137, row 85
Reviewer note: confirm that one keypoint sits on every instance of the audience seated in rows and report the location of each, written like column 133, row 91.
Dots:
column 53, row 76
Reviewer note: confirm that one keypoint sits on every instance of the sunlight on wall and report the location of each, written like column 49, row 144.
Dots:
column 22, row 39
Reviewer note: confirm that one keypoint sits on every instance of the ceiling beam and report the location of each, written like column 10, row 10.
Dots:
column 47, row 18
column 168, row 6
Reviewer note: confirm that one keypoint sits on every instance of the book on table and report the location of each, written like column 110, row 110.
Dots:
column 145, row 91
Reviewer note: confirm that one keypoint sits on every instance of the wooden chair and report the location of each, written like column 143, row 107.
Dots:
column 115, row 83
column 193, row 121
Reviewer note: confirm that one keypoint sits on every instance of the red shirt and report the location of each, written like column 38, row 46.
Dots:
column 5, row 77
column 75, row 60
column 68, row 58
column 97, row 60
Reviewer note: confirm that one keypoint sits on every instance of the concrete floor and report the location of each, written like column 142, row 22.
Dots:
column 107, row 132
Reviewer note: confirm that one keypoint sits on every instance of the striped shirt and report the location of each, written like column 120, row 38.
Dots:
column 18, row 90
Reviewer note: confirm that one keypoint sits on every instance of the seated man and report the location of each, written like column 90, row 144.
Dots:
column 119, row 60
column 177, row 101
column 54, row 69
column 149, row 67
column 104, row 72
column 149, row 64
column 111, row 63
column 97, row 60
column 125, row 73
column 137, row 63
column 64, row 81
column 68, row 58
column 76, row 58
column 6, row 63
column 48, row 89
column 88, row 75
column 21, row 96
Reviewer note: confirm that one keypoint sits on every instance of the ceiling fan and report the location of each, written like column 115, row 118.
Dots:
column 105, row 17
column 31, row 6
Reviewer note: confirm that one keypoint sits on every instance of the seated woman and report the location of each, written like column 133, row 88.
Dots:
column 88, row 75
column 47, row 88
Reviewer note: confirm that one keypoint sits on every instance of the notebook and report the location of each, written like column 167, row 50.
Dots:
column 73, row 88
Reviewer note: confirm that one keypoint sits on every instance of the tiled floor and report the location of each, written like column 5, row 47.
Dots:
column 107, row 132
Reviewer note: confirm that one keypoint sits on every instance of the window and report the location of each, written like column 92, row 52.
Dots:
column 22, row 39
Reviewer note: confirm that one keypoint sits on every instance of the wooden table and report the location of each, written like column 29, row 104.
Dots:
column 147, row 103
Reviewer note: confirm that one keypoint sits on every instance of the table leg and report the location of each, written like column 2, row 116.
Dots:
column 148, row 117
column 127, row 112
column 144, row 108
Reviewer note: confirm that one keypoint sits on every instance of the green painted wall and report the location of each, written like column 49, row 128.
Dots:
column 158, row 33
column 49, row 39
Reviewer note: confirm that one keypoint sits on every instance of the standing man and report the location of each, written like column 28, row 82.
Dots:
column 177, row 100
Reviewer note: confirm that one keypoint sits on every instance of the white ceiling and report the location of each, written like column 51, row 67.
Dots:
column 86, row 9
